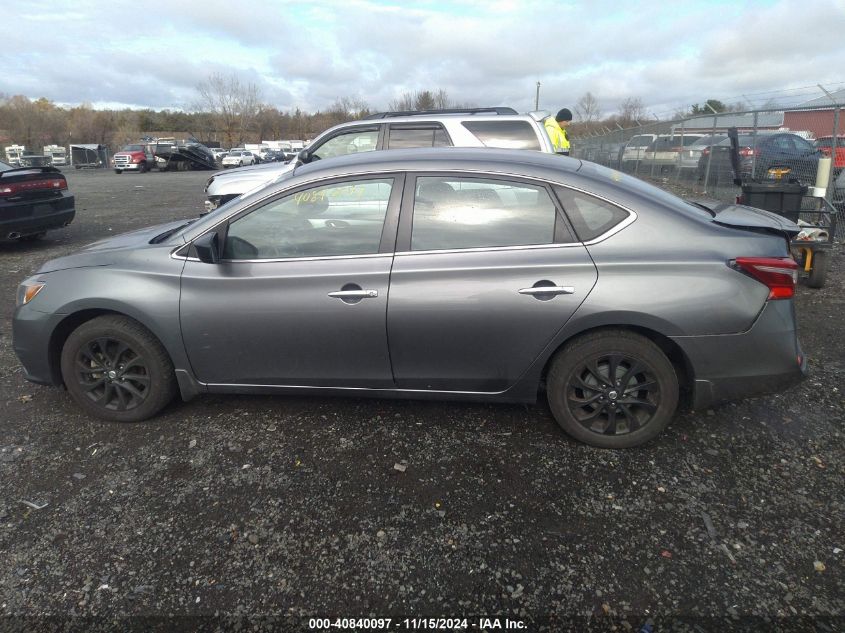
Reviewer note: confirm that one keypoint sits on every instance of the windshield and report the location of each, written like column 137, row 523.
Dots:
column 709, row 140
column 133, row 148
column 4, row 166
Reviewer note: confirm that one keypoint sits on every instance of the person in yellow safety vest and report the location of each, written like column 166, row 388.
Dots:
column 556, row 129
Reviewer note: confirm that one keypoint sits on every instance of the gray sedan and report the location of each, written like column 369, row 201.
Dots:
column 443, row 273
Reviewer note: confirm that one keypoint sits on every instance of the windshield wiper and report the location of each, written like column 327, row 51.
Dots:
column 158, row 239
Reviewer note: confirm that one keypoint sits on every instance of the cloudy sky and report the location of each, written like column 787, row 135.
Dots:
column 307, row 54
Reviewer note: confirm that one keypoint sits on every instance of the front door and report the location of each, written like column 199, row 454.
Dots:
column 300, row 296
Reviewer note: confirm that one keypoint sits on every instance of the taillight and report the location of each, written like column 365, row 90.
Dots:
column 16, row 188
column 746, row 151
column 779, row 274
column 825, row 151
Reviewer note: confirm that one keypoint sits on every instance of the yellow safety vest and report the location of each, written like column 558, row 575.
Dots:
column 557, row 135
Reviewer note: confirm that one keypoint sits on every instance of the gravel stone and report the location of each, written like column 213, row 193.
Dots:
column 341, row 533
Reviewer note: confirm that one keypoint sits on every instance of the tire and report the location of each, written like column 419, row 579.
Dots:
column 581, row 401
column 818, row 273
column 117, row 344
column 142, row 168
column 118, row 171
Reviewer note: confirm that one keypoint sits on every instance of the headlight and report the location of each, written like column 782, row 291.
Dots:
column 28, row 290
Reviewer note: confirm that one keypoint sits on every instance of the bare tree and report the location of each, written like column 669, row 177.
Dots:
column 422, row 100
column 587, row 108
column 631, row 111
column 234, row 104
column 402, row 103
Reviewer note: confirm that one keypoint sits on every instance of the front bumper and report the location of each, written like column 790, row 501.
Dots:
column 30, row 217
column 766, row 359
column 31, row 333
column 128, row 166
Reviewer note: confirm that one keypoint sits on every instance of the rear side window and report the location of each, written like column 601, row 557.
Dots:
column 590, row 217
column 451, row 213
column 640, row 141
column 409, row 137
column 504, row 134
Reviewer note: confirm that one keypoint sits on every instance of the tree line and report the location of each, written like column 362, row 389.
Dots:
column 230, row 112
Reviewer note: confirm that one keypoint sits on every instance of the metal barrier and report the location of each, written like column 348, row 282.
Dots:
column 694, row 153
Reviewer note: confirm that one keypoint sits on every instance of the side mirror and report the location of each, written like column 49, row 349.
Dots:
column 208, row 248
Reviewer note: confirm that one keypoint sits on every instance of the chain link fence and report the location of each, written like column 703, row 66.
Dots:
column 804, row 145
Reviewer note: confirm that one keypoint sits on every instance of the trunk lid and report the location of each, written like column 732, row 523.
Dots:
column 743, row 217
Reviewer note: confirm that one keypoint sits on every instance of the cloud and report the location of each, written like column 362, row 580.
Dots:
column 487, row 52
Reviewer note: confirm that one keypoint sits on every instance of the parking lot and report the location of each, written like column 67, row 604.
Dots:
column 295, row 507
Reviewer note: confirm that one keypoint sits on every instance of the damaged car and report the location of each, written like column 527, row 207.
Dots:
column 451, row 274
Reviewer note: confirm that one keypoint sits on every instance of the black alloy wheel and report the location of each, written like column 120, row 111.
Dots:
column 612, row 394
column 115, row 369
column 612, row 389
column 112, row 374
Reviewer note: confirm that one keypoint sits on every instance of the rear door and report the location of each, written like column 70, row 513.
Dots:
column 410, row 135
column 487, row 270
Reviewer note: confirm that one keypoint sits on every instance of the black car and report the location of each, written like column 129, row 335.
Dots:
column 764, row 156
column 32, row 201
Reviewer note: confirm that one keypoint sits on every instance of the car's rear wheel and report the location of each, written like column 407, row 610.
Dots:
column 612, row 389
column 115, row 369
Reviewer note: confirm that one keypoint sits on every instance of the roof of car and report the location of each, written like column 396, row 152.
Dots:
column 446, row 158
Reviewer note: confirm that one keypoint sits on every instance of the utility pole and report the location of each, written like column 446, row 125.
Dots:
column 537, row 98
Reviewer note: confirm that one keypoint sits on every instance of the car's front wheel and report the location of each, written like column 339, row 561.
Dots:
column 612, row 389
column 115, row 369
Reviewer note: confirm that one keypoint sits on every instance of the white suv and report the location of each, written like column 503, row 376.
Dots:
column 474, row 127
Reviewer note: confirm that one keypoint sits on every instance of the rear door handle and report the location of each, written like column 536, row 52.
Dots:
column 354, row 294
column 547, row 290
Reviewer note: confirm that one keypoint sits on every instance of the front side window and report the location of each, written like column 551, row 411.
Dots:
column 504, row 134
column 454, row 213
column 344, row 218
column 802, row 145
column 348, row 143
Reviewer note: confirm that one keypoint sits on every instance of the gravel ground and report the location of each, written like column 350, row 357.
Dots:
column 290, row 508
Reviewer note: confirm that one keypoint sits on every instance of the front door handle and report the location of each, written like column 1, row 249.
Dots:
column 354, row 294
column 547, row 290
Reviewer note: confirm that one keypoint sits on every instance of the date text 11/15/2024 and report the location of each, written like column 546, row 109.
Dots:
column 416, row 624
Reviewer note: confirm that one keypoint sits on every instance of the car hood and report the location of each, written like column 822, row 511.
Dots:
column 106, row 252
column 238, row 181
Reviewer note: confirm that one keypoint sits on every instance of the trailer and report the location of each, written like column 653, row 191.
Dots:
column 89, row 156
column 57, row 154
column 14, row 154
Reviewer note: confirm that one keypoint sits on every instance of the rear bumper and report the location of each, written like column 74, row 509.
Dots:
column 31, row 217
column 765, row 359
